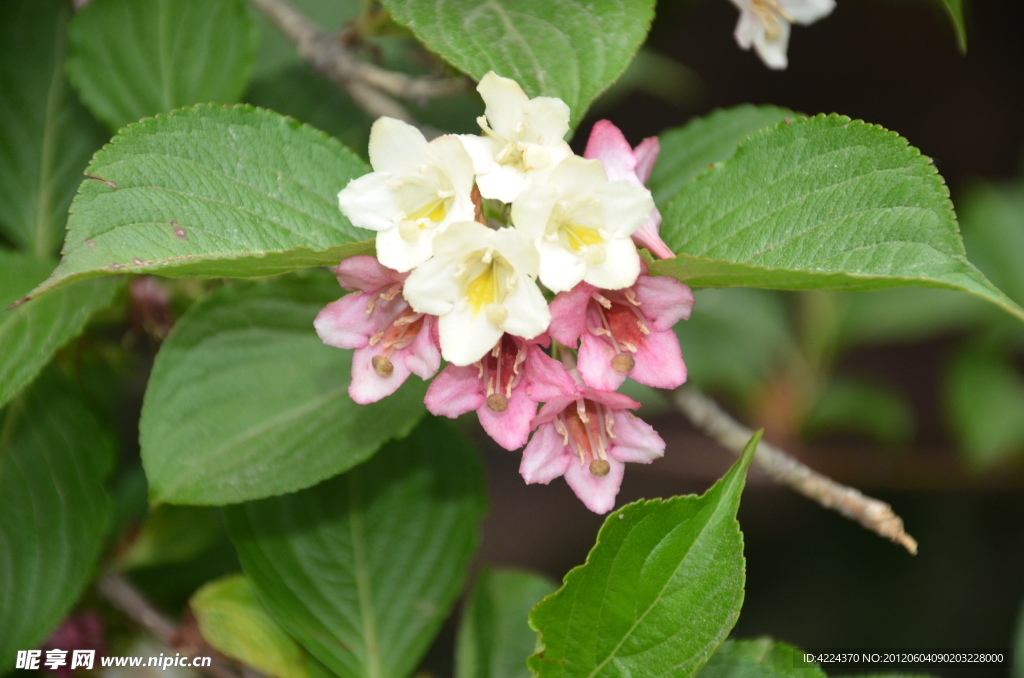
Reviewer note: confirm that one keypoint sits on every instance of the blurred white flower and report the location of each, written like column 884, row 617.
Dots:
column 765, row 25
column 481, row 282
column 582, row 223
column 523, row 138
column 415, row 191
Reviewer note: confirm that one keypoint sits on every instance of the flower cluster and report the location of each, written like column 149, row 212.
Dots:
column 471, row 231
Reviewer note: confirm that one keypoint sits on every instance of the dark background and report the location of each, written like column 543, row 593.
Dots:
column 813, row 578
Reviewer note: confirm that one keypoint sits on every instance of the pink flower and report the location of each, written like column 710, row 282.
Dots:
column 80, row 631
column 622, row 163
column 391, row 340
column 588, row 437
column 503, row 387
column 625, row 332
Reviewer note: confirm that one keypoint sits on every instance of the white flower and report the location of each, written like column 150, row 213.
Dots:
column 765, row 25
column 523, row 137
column 582, row 224
column 417, row 189
column 481, row 283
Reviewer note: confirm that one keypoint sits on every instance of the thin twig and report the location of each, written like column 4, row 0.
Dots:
column 371, row 86
column 117, row 590
column 873, row 514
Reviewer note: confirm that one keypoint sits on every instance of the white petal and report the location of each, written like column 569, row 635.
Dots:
column 518, row 249
column 431, row 288
column 505, row 101
column 481, row 151
column 450, row 155
column 397, row 146
column 619, row 269
column 773, row 52
column 528, row 314
column 578, row 177
column 462, row 238
column 808, row 11
column 368, row 202
column 747, row 28
column 626, row 205
column 532, row 209
column 466, row 336
column 560, row 269
column 396, row 252
column 502, row 182
column 547, row 121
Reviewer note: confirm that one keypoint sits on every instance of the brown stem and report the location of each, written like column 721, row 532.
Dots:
column 117, row 590
column 873, row 514
column 371, row 86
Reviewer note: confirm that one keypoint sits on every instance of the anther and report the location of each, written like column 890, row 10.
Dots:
column 382, row 366
column 623, row 363
column 496, row 402
column 599, row 468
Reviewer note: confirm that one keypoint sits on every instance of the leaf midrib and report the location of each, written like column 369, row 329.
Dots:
column 360, row 569
column 713, row 518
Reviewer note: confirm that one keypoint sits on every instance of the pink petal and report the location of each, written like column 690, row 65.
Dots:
column 552, row 409
column 545, row 458
column 646, row 155
column 664, row 301
column 454, row 392
column 569, row 314
column 659, row 361
column 635, row 439
column 344, row 323
column 366, row 274
column 616, row 401
column 595, row 364
column 597, row 494
column 510, row 428
column 544, row 377
column 423, row 355
column 367, row 386
column 647, row 236
column 607, row 144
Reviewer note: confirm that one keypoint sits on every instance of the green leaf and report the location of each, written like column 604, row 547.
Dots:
column 494, row 637
column 907, row 315
column 32, row 332
column 135, row 58
column 570, row 49
column 991, row 217
column 761, row 658
column 46, row 137
column 821, row 203
column 984, row 396
column 862, row 407
column 688, row 150
column 363, row 568
column 659, row 592
column 233, row 621
column 171, row 534
column 210, row 192
column 956, row 14
column 246, row 402
column 736, row 340
column 54, row 456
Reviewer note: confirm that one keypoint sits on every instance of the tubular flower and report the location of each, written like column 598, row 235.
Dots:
column 417, row 189
column 765, row 25
column 622, row 163
column 481, row 282
column 391, row 340
column 625, row 333
column 503, row 387
column 588, row 437
column 522, row 138
column 582, row 223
